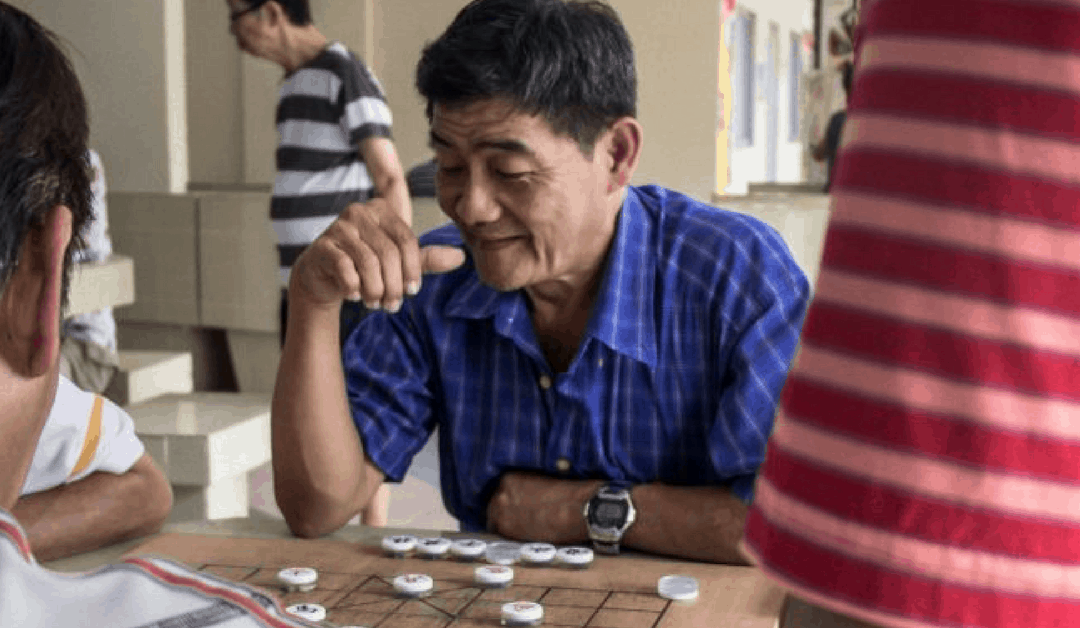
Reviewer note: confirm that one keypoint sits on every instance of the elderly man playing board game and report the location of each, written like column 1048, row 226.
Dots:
column 576, row 340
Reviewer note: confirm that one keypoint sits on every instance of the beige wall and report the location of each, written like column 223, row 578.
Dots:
column 401, row 30
column 118, row 48
column 676, row 53
column 677, row 71
column 216, row 132
column 120, row 52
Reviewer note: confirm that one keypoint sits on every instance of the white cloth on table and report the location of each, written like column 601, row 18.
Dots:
column 141, row 592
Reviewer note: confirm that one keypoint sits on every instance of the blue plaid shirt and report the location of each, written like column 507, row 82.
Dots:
column 676, row 379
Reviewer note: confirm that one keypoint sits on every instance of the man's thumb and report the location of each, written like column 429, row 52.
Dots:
column 440, row 259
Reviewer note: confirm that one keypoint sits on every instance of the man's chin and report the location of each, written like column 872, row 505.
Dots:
column 502, row 284
column 501, row 281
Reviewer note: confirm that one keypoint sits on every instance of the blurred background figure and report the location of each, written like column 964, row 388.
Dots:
column 826, row 149
column 88, row 348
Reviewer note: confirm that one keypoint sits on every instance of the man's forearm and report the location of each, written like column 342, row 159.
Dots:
column 696, row 522
column 99, row 510
column 320, row 478
column 700, row 523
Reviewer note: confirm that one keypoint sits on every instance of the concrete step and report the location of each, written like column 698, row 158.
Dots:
column 96, row 286
column 144, row 375
column 206, row 443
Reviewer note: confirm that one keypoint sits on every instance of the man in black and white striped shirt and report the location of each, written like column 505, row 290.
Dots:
column 334, row 148
column 332, row 120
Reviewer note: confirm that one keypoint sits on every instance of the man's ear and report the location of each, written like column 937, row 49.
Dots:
column 275, row 13
column 30, row 304
column 622, row 145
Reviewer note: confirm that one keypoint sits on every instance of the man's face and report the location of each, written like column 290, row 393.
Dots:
column 246, row 27
column 531, row 207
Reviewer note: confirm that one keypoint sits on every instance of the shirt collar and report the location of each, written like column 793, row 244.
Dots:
column 622, row 316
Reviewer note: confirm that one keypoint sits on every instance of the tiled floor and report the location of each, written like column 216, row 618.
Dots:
column 415, row 503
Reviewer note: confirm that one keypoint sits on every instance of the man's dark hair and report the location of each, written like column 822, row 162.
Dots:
column 298, row 11
column 43, row 138
column 571, row 63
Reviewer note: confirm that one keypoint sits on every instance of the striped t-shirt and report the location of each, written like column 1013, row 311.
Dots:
column 326, row 109
column 925, row 465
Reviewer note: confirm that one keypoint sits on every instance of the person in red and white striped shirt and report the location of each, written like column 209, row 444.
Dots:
column 925, row 465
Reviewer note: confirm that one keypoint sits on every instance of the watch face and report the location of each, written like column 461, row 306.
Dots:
column 610, row 514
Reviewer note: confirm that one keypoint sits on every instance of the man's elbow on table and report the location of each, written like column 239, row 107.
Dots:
column 158, row 496
column 99, row 510
column 307, row 520
column 148, row 501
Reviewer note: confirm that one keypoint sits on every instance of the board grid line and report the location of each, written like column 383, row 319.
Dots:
column 447, row 619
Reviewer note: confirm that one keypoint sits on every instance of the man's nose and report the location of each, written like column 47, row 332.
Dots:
column 477, row 204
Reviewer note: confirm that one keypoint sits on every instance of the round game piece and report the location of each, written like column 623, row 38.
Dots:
column 678, row 588
column 468, row 550
column 503, row 553
column 308, row 611
column 413, row 584
column 433, row 548
column 522, row 614
column 575, row 557
column 300, row 579
column 494, row 576
column 398, row 546
column 537, row 553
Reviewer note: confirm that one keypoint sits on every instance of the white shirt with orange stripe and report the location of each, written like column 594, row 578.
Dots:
column 83, row 434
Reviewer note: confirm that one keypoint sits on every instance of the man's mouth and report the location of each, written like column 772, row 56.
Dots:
column 493, row 244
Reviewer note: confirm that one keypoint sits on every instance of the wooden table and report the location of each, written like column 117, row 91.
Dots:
column 615, row 591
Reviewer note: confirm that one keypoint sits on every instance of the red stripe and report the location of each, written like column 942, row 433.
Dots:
column 906, row 429
column 943, row 353
column 899, row 512
column 951, row 98
column 998, row 279
column 192, row 582
column 870, row 586
column 960, row 186
column 1027, row 24
column 16, row 535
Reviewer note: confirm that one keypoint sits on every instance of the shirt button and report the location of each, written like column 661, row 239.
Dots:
column 545, row 382
column 563, row 465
